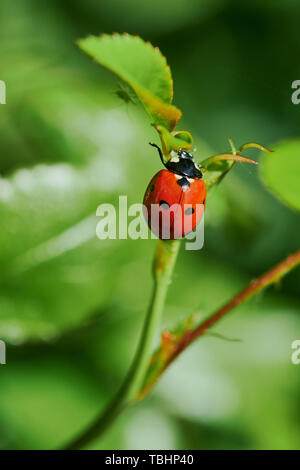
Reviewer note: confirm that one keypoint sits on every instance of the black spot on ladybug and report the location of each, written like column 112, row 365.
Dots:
column 189, row 211
column 203, row 201
column 183, row 182
column 164, row 204
column 152, row 188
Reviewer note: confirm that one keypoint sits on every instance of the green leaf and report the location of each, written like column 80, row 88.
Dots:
column 280, row 172
column 174, row 141
column 142, row 67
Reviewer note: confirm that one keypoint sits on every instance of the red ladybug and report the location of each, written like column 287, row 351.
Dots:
column 175, row 198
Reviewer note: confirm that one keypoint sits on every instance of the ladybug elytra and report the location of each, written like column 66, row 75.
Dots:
column 175, row 198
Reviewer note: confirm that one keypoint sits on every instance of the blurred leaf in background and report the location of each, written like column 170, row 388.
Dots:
column 70, row 309
column 281, row 173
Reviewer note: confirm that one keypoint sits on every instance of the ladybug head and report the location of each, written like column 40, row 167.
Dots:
column 182, row 164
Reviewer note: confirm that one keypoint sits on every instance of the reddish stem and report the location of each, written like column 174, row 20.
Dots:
column 257, row 285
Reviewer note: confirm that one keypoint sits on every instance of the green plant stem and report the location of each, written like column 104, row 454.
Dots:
column 164, row 262
column 270, row 277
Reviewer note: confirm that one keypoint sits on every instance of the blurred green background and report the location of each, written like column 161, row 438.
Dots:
column 71, row 306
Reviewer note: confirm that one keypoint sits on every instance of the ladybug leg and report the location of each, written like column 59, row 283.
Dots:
column 159, row 152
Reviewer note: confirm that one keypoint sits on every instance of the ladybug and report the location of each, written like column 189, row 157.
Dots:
column 175, row 198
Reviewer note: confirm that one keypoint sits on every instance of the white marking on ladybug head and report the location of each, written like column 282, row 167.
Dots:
column 174, row 159
column 190, row 180
column 185, row 155
column 178, row 177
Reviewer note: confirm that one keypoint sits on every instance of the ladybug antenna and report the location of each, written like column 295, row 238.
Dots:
column 159, row 152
